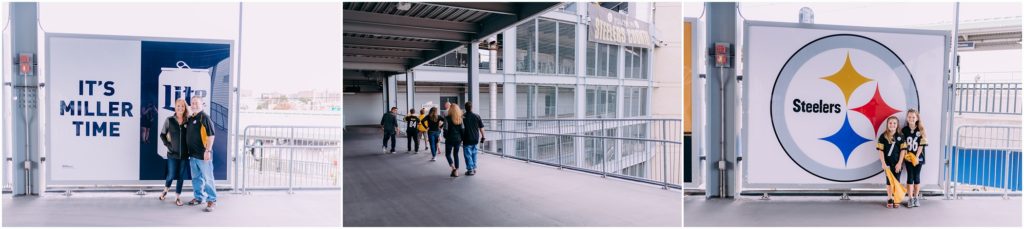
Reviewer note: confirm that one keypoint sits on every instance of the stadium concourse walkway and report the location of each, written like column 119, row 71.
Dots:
column 408, row 190
column 863, row 211
column 116, row 209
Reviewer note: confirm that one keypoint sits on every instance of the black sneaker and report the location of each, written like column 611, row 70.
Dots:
column 469, row 172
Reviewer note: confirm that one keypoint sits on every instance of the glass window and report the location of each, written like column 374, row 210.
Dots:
column 545, row 106
column 524, row 102
column 525, row 46
column 604, row 59
column 636, row 62
column 613, row 61
column 546, row 46
column 645, row 64
column 591, row 58
column 566, row 102
column 566, row 48
column 601, row 102
column 569, row 7
column 635, row 101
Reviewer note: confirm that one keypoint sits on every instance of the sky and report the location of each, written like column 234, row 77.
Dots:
column 286, row 47
column 894, row 15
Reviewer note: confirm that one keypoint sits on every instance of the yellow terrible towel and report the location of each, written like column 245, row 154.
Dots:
column 897, row 190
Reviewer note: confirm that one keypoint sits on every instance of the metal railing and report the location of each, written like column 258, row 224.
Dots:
column 289, row 157
column 644, row 150
column 986, row 160
column 988, row 98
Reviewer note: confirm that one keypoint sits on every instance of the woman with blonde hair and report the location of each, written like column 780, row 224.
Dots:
column 453, row 137
column 173, row 137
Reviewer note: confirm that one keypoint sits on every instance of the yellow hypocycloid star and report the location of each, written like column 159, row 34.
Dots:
column 847, row 78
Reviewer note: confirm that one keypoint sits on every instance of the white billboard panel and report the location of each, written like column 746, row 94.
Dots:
column 817, row 97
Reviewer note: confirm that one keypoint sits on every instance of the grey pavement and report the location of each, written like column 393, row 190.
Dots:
column 408, row 190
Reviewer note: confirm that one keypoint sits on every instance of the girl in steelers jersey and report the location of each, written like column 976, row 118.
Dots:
column 891, row 148
column 914, row 135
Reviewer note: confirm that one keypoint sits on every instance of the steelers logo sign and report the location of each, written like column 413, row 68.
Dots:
column 830, row 100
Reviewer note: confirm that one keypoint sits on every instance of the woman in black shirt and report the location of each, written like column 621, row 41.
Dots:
column 433, row 123
column 173, row 137
column 453, row 137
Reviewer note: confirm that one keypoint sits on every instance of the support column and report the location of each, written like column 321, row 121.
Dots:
column 508, row 90
column 410, row 99
column 720, row 138
column 392, row 82
column 493, row 87
column 25, row 121
column 473, row 77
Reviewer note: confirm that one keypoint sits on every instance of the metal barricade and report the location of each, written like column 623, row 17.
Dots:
column 644, row 150
column 290, row 157
column 988, row 98
column 985, row 160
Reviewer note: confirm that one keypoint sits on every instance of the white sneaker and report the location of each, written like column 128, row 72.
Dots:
column 384, row 149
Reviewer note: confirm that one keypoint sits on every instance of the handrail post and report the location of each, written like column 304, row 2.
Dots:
column 291, row 163
column 244, row 164
column 1006, row 167
column 604, row 152
column 664, row 155
column 558, row 143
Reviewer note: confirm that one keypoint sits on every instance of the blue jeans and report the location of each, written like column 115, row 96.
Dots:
column 469, row 151
column 433, row 135
column 202, row 180
column 175, row 169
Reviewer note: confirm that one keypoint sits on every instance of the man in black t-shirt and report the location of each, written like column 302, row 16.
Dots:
column 411, row 132
column 199, row 135
column 471, row 137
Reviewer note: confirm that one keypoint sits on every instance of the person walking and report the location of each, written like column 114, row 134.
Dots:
column 173, row 136
column 422, row 127
column 199, row 133
column 433, row 122
column 412, row 133
column 471, row 137
column 453, row 138
column 389, row 123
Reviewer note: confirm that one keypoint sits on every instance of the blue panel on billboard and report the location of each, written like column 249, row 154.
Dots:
column 204, row 59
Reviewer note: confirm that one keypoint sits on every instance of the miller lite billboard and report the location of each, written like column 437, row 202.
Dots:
column 108, row 97
column 817, row 97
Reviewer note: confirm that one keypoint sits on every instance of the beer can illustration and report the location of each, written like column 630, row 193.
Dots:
column 180, row 82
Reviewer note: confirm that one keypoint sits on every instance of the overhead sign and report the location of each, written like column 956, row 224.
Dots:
column 612, row 27
column 109, row 95
column 817, row 97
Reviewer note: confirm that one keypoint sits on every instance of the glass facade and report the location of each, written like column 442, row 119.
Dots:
column 634, row 102
column 601, row 101
column 545, row 101
column 636, row 62
column 526, row 46
column 546, row 47
column 602, row 60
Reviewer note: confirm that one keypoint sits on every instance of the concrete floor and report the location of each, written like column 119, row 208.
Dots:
column 259, row 209
column 407, row 190
column 860, row 211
